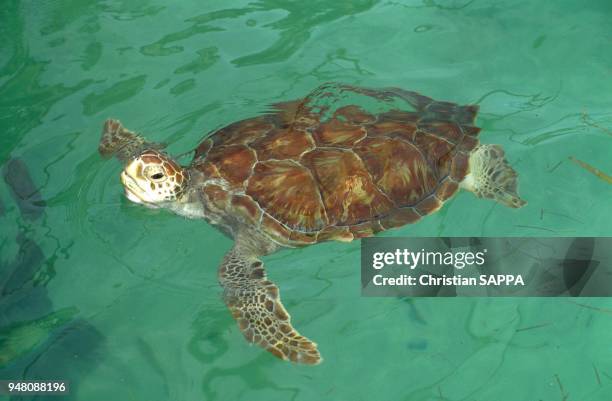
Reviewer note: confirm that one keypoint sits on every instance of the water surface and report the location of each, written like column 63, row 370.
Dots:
column 124, row 301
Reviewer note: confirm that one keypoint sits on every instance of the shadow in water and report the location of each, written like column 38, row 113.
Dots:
column 28, row 198
column 38, row 342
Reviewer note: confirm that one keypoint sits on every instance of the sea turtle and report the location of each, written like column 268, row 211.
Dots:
column 313, row 170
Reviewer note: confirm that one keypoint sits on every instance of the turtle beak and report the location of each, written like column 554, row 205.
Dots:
column 132, row 197
column 128, row 187
column 131, row 190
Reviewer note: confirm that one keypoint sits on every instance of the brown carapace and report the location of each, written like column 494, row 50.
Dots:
column 350, row 176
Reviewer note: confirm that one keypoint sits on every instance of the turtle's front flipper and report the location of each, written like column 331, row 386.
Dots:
column 121, row 142
column 255, row 304
column 492, row 177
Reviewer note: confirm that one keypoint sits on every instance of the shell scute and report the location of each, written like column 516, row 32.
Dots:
column 341, row 233
column 448, row 130
column 446, row 189
column 203, row 148
column 438, row 151
column 217, row 195
column 233, row 163
column 303, row 237
column 428, row 205
column 389, row 128
column 460, row 166
column 283, row 144
column 287, row 191
column 400, row 217
column 354, row 115
column 399, row 169
column 471, row 130
column 366, row 229
column 442, row 111
column 338, row 133
column 468, row 143
column 242, row 132
column 294, row 114
column 246, row 206
column 349, row 195
column 275, row 229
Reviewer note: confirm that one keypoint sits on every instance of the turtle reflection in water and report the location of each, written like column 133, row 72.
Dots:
column 308, row 171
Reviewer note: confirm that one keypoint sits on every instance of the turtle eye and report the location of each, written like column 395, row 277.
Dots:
column 155, row 174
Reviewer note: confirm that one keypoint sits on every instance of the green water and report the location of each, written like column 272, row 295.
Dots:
column 146, row 318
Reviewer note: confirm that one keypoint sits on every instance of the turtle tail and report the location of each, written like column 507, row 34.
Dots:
column 118, row 141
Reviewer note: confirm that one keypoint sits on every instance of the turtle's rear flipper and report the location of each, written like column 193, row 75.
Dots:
column 121, row 142
column 255, row 304
column 492, row 177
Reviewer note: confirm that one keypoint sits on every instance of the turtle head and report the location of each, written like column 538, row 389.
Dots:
column 152, row 179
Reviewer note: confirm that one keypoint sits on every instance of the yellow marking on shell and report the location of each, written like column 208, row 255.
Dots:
column 354, row 189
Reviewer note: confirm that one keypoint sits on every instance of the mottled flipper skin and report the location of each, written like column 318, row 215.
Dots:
column 118, row 141
column 492, row 177
column 254, row 302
